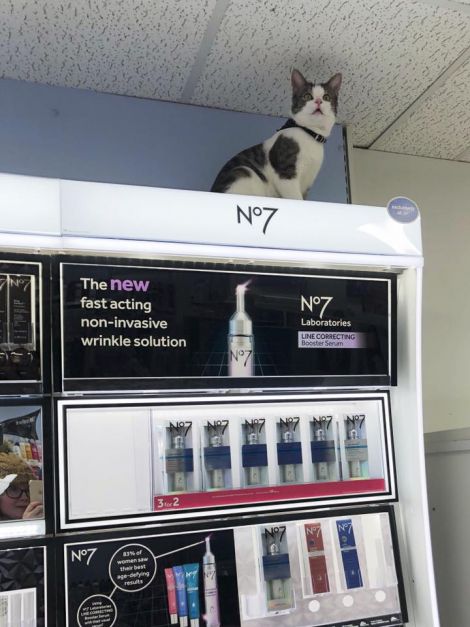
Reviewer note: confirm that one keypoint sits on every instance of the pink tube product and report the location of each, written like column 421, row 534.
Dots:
column 171, row 595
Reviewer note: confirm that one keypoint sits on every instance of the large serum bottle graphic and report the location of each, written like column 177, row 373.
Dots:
column 241, row 345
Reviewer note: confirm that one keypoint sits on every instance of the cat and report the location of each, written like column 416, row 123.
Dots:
column 287, row 164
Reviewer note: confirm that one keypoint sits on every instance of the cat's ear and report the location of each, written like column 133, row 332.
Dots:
column 298, row 81
column 335, row 82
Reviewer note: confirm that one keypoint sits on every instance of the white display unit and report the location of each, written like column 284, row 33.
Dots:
column 74, row 217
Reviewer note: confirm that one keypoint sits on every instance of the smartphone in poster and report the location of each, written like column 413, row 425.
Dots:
column 177, row 327
column 328, row 571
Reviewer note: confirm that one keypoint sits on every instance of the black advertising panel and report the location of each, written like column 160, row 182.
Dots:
column 129, row 327
column 339, row 569
column 23, row 587
column 20, row 327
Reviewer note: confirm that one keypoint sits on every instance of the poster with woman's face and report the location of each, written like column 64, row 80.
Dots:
column 21, row 463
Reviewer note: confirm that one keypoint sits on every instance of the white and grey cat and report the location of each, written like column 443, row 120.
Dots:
column 287, row 164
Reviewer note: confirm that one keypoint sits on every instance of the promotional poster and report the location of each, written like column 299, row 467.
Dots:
column 21, row 465
column 132, row 327
column 333, row 571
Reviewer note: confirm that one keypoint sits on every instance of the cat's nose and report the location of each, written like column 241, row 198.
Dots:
column 318, row 101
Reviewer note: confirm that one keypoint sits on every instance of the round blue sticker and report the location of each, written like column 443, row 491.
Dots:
column 403, row 209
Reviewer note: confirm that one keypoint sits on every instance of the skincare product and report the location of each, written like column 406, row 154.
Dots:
column 217, row 460
column 29, row 453
column 289, row 451
column 21, row 311
column 178, row 458
column 240, row 338
column 316, row 558
column 3, row 310
column 211, row 593
column 171, row 595
column 181, row 599
column 191, row 572
column 323, row 448
column 276, row 569
column 356, row 447
column 23, row 453
column 349, row 556
column 254, row 452
column 34, row 450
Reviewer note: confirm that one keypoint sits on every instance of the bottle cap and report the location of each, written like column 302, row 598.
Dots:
column 194, row 622
column 174, row 619
column 183, row 621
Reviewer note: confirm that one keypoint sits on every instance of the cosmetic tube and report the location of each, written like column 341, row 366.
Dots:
column 180, row 580
column 241, row 343
column 191, row 572
column 211, row 592
column 171, row 595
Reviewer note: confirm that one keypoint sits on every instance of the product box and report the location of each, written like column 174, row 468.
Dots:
column 289, row 572
column 126, row 327
column 21, row 339
column 189, row 458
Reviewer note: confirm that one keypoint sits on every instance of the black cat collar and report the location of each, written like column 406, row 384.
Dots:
column 293, row 124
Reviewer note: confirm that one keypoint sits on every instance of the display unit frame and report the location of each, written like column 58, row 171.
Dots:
column 69, row 460
column 301, row 234
column 79, row 551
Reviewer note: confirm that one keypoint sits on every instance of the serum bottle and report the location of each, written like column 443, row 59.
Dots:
column 179, row 459
column 276, row 570
column 211, row 592
column 217, row 459
column 289, row 451
column 241, row 343
column 356, row 447
column 254, row 452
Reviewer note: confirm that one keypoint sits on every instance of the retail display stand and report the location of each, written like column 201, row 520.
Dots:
column 234, row 390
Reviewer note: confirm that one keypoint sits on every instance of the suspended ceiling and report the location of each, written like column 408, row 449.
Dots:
column 406, row 63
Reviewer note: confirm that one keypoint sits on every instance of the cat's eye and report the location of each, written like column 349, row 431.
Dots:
column 308, row 96
column 326, row 97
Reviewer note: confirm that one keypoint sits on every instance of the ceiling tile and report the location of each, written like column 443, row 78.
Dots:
column 440, row 127
column 131, row 47
column 389, row 51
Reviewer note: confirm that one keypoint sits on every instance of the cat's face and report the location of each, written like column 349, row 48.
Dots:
column 315, row 105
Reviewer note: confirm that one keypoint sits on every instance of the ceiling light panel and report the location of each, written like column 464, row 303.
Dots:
column 132, row 47
column 440, row 127
column 389, row 52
